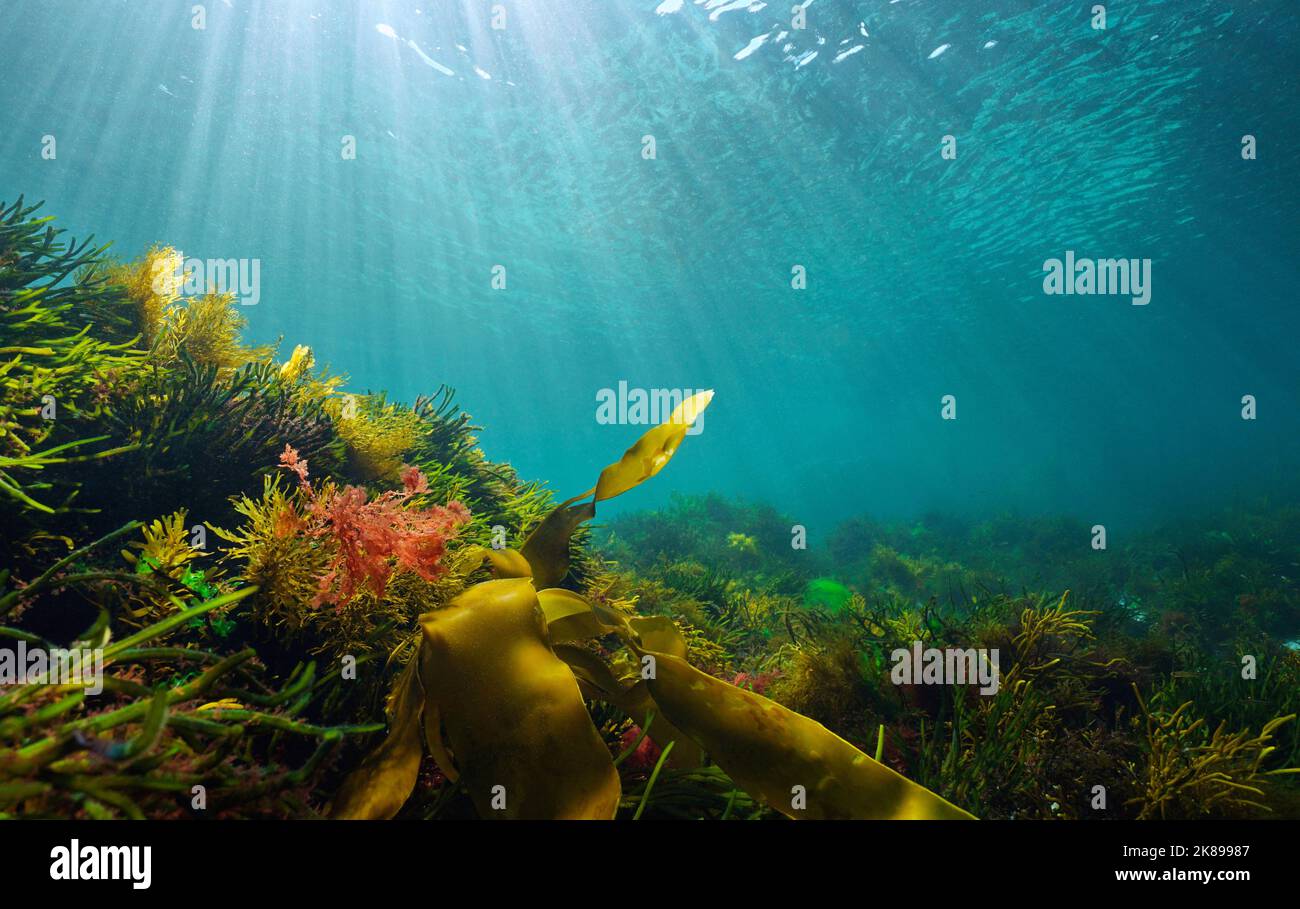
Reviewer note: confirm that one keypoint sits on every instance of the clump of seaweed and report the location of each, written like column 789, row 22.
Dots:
column 149, row 287
column 829, row 681
column 188, row 419
column 169, row 555
column 54, row 372
column 1192, row 772
column 167, row 547
column 115, row 390
column 378, row 435
column 206, row 327
column 371, row 538
column 368, row 559
column 151, row 728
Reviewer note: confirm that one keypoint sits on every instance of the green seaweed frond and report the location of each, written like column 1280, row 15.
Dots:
column 55, row 376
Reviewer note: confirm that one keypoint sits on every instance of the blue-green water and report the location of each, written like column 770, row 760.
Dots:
column 524, row 147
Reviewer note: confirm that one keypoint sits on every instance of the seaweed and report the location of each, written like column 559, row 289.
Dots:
column 54, row 373
column 527, row 747
column 280, row 641
column 1192, row 772
column 154, row 741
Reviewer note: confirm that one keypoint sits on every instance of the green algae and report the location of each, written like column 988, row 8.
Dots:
column 826, row 593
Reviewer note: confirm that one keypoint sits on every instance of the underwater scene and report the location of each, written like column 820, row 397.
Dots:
column 649, row 410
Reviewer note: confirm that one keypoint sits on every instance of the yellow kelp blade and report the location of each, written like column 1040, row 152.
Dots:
column 379, row 787
column 571, row 618
column 652, row 451
column 637, row 703
column 445, row 760
column 597, row 681
column 547, row 548
column 791, row 763
column 503, row 563
column 660, row 634
column 594, row 676
column 657, row 633
column 513, row 716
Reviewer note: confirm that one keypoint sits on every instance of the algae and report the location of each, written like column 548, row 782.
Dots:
column 328, row 621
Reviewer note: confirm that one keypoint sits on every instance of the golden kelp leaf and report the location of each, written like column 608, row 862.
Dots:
column 593, row 674
column 547, row 548
column 611, row 618
column 511, row 709
column 659, row 634
column 638, row 704
column 503, row 563
column 571, row 618
column 652, row 451
column 379, row 787
column 769, row 751
column 445, row 760
column 597, row 681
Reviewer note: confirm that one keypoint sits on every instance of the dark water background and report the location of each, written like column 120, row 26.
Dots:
column 523, row 148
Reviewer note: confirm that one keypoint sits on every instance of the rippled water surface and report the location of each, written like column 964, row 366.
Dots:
column 775, row 148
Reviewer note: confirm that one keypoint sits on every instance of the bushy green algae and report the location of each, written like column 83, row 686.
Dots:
column 826, row 593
